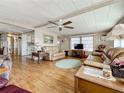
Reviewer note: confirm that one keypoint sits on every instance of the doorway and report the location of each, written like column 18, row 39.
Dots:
column 13, row 44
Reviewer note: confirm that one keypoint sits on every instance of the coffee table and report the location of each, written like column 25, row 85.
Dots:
column 85, row 83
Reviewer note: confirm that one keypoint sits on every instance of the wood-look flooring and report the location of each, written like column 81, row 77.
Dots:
column 43, row 77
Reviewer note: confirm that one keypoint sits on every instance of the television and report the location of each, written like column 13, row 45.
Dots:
column 78, row 46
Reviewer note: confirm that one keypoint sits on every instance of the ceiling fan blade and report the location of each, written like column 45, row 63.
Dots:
column 66, row 23
column 69, row 27
column 60, row 29
column 53, row 23
column 51, row 27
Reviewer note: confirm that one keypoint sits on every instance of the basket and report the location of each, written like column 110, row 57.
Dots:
column 117, row 72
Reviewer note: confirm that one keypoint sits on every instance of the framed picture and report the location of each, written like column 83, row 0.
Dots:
column 48, row 39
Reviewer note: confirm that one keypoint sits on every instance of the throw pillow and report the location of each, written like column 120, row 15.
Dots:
column 3, row 82
column 118, row 63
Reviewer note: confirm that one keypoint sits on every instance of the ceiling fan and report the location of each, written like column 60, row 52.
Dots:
column 61, row 25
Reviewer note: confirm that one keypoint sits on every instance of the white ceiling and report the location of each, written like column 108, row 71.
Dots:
column 31, row 13
column 95, row 21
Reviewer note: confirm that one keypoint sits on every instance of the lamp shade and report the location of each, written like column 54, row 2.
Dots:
column 110, row 36
column 118, row 29
column 116, row 32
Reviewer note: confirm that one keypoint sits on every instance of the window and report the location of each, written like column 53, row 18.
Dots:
column 87, row 41
column 122, row 42
column 117, row 43
column 74, row 40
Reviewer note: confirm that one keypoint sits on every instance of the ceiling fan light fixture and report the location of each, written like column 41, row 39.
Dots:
column 60, row 20
column 61, row 25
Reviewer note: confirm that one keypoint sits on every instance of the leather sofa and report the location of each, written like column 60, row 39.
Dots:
column 54, row 53
column 6, row 61
column 107, row 55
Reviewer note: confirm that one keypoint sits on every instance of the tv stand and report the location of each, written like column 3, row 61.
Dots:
column 80, row 53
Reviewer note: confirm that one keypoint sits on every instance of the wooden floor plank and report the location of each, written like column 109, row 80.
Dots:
column 41, row 77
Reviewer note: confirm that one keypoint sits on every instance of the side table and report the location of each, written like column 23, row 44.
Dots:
column 66, row 52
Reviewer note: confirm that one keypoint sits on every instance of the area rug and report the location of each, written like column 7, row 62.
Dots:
column 68, row 63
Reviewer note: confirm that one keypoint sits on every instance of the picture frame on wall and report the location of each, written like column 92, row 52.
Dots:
column 48, row 39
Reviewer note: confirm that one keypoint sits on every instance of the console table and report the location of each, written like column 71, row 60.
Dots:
column 78, row 53
column 85, row 83
column 39, row 54
column 36, row 54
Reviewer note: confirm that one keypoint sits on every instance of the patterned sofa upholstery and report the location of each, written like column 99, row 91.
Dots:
column 6, row 61
column 54, row 52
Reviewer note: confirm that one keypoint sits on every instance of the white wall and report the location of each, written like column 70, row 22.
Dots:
column 24, row 45
column 64, row 43
column 39, row 36
column 27, row 43
column 4, row 42
column 97, row 41
column 40, row 32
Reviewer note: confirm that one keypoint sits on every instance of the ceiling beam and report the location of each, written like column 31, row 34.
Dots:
column 83, row 10
column 12, row 33
column 16, row 25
